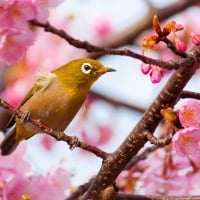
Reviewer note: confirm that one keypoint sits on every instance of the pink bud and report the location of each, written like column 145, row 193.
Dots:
column 156, row 74
column 145, row 68
column 179, row 27
column 180, row 45
column 195, row 38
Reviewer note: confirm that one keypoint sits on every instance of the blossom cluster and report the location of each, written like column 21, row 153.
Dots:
column 169, row 29
column 187, row 139
column 17, row 179
column 169, row 169
column 160, row 172
column 16, row 33
column 178, row 162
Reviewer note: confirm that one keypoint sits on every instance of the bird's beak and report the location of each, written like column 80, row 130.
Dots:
column 108, row 69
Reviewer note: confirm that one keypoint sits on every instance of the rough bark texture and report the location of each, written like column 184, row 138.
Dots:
column 116, row 162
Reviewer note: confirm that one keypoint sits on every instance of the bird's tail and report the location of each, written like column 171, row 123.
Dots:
column 9, row 144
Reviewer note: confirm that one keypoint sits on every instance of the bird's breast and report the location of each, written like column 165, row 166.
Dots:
column 56, row 106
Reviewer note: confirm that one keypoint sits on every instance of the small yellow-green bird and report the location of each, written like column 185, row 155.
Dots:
column 54, row 99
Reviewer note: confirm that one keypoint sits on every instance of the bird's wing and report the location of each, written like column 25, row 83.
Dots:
column 42, row 83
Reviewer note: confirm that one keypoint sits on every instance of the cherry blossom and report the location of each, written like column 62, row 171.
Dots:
column 102, row 26
column 16, row 34
column 155, row 73
column 189, row 113
column 195, row 38
column 187, row 142
column 17, row 179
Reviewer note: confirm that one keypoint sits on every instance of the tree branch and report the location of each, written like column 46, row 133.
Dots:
column 80, row 191
column 116, row 162
column 117, row 103
column 97, row 49
column 58, row 135
column 190, row 94
column 143, row 155
column 158, row 141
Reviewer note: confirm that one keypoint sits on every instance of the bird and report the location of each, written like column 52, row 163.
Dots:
column 55, row 98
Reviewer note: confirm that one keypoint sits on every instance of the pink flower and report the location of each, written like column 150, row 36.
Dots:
column 172, row 26
column 156, row 74
column 180, row 45
column 48, row 3
column 105, row 134
column 15, row 32
column 91, row 99
column 17, row 179
column 160, row 175
column 51, row 187
column 99, row 136
column 187, row 142
column 194, row 186
column 102, row 26
column 155, row 184
column 149, row 42
column 145, row 68
column 60, row 178
column 13, row 45
column 195, row 38
column 16, row 162
column 189, row 113
column 15, row 14
column 42, row 7
column 15, row 93
column 47, row 142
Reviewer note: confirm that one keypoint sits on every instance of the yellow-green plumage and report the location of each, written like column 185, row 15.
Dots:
column 55, row 99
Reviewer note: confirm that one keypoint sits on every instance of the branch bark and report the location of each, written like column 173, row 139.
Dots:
column 105, row 50
column 116, row 161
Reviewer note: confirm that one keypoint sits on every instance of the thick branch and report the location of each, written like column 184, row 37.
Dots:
column 115, row 162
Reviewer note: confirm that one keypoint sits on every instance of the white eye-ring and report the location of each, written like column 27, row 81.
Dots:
column 86, row 68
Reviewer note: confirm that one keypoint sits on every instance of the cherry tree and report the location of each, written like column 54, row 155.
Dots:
column 159, row 157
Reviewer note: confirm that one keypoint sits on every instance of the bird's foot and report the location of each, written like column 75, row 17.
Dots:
column 25, row 116
column 74, row 143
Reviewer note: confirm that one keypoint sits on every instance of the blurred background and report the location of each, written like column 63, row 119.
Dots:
column 117, row 100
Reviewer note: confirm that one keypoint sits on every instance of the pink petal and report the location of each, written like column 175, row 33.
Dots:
column 187, row 142
column 189, row 113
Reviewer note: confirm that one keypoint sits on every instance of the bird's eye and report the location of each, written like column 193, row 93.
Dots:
column 86, row 68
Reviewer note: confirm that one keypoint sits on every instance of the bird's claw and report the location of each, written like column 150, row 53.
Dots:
column 25, row 116
column 74, row 143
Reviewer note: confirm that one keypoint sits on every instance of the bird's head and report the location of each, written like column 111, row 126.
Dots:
column 81, row 72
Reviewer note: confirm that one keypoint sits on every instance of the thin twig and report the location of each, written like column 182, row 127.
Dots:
column 158, row 141
column 172, row 47
column 97, row 49
column 79, row 191
column 58, row 135
column 141, row 156
column 117, row 103
column 190, row 94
